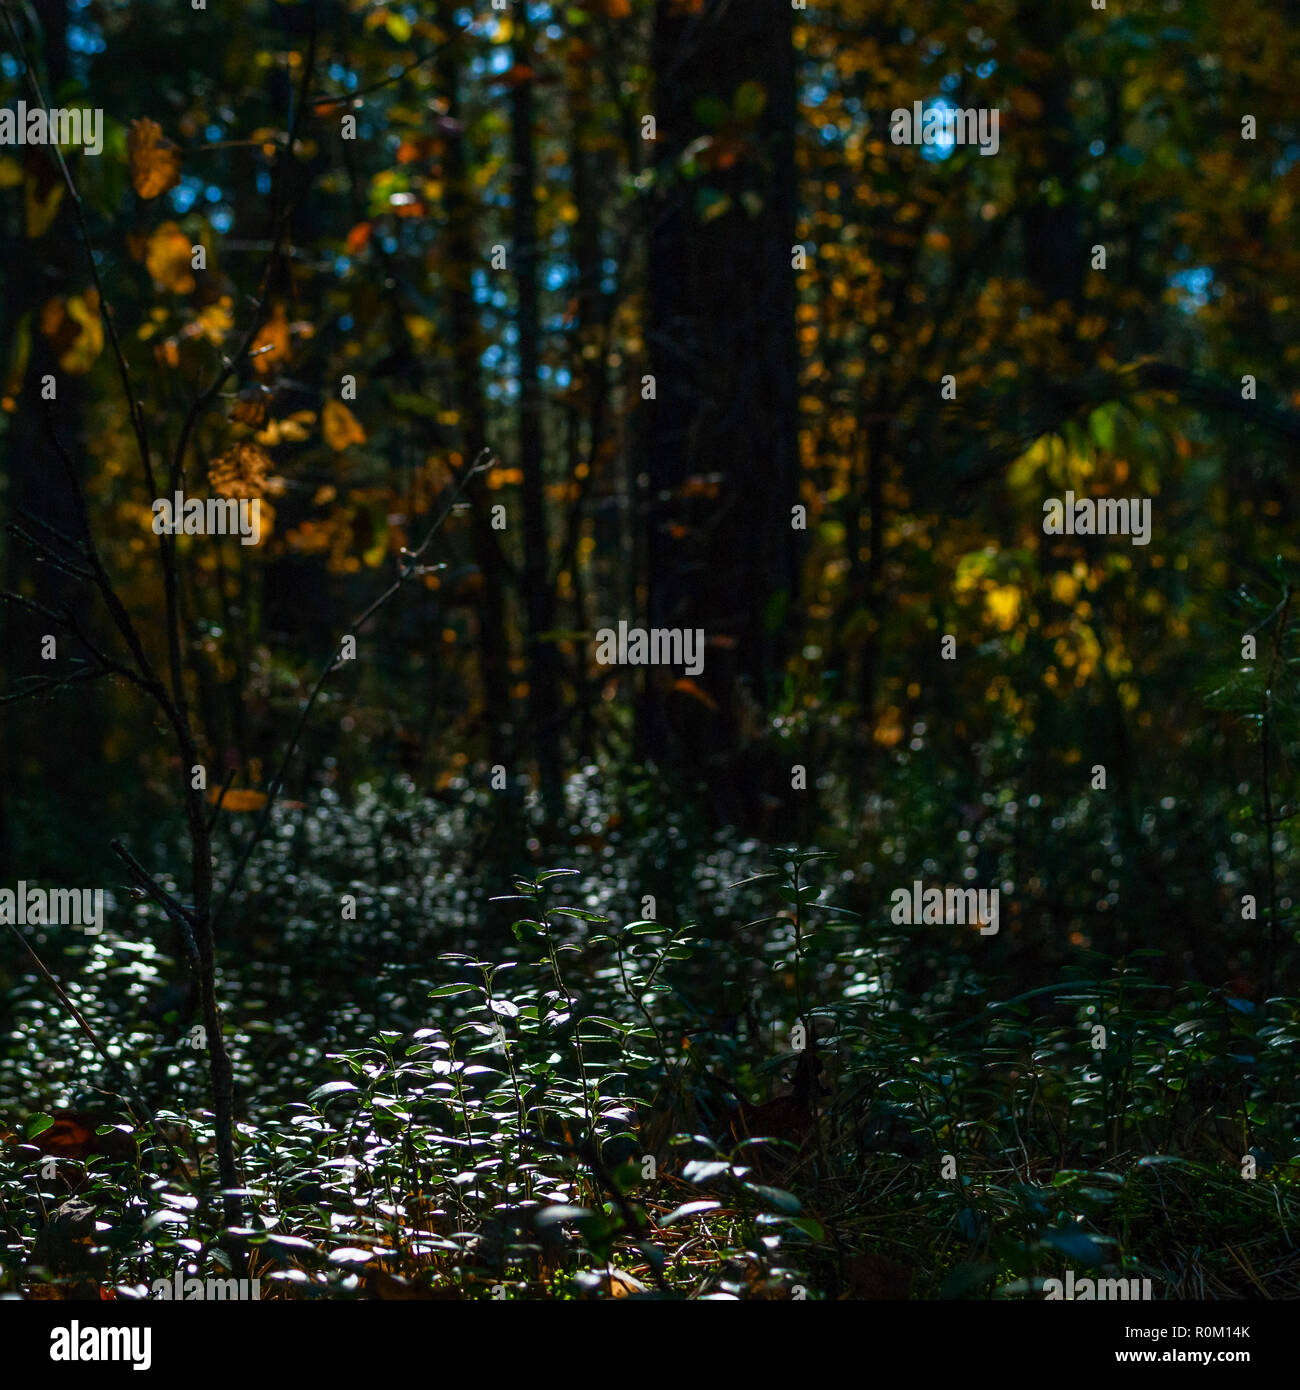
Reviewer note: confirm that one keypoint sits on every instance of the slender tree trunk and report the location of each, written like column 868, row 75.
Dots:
column 877, row 464
column 462, row 254
column 545, row 714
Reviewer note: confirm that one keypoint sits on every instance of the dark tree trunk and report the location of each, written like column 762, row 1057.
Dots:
column 462, row 254
column 53, row 740
column 721, row 553
column 545, row 713
column 1054, row 251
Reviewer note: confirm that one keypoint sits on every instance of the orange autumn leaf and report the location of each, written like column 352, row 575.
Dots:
column 57, row 325
column 696, row 692
column 251, row 406
column 701, row 485
column 70, row 1136
column 340, row 427
column 358, row 237
column 54, row 317
column 240, row 472
column 167, row 259
column 238, row 799
column 271, row 346
column 155, row 160
column 74, row 1134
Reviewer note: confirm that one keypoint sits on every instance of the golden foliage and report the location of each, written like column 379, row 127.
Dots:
column 237, row 798
column 251, row 406
column 340, row 427
column 271, row 346
column 1002, row 606
column 167, row 258
column 240, row 472
column 290, row 429
column 155, row 161
column 75, row 330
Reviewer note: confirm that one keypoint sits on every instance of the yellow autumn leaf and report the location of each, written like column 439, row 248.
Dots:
column 83, row 310
column 1065, row 587
column 167, row 258
column 340, row 427
column 215, row 321
column 292, row 429
column 74, row 329
column 1002, row 606
column 155, row 161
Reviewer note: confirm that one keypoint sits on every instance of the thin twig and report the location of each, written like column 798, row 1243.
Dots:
column 344, row 98
column 410, row 567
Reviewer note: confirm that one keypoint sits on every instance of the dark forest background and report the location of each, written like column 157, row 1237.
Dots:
column 632, row 309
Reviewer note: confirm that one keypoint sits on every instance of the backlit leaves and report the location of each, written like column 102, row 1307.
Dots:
column 240, row 472
column 237, row 798
column 167, row 259
column 271, row 346
column 155, row 161
column 340, row 427
column 75, row 329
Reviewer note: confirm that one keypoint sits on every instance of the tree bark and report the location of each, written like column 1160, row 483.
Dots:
column 721, row 551
column 545, row 713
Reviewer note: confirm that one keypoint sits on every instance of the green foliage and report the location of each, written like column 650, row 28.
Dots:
column 481, row 1127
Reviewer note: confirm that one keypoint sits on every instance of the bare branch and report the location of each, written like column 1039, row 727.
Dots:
column 343, row 98
column 407, row 570
column 181, row 915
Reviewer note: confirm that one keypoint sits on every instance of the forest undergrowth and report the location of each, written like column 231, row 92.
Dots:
column 548, row 1086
